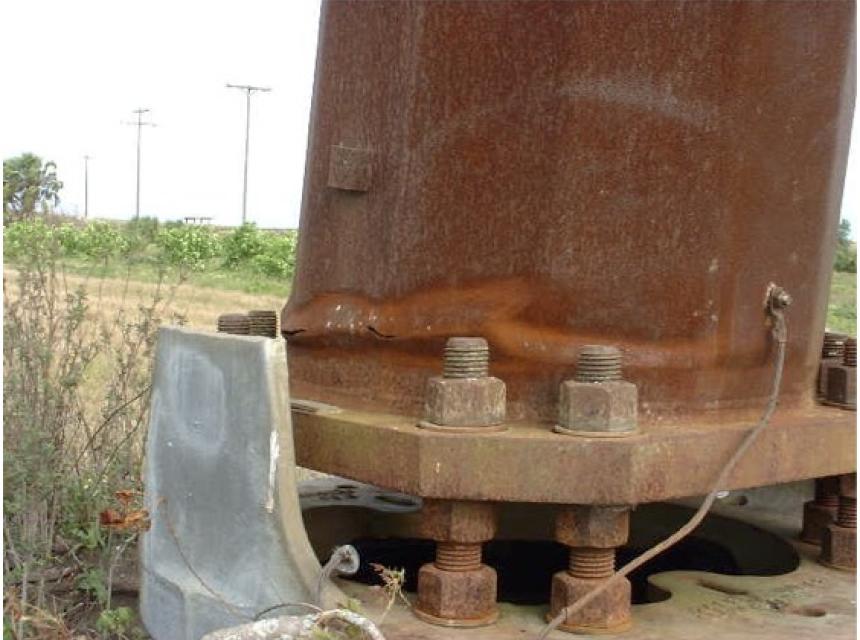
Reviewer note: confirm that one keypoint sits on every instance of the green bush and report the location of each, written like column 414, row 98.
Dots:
column 100, row 241
column 139, row 234
column 278, row 257
column 188, row 247
column 846, row 257
column 30, row 238
column 242, row 244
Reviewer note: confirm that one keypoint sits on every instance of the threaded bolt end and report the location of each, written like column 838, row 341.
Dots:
column 454, row 556
column 850, row 356
column 847, row 514
column 834, row 345
column 598, row 363
column 827, row 491
column 235, row 323
column 466, row 358
column 589, row 562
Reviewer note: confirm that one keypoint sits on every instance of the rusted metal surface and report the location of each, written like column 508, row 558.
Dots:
column 809, row 602
column 597, row 402
column 263, row 322
column 598, row 527
column 839, row 547
column 832, row 353
column 465, row 398
column 820, row 512
column 552, row 174
column 603, row 408
column 842, row 378
column 529, row 463
column 457, row 598
column 839, row 542
column 235, row 323
column 349, row 169
column 458, row 521
column 592, row 533
column 607, row 613
column 457, row 589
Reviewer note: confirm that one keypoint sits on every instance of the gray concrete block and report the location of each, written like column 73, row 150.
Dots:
column 227, row 538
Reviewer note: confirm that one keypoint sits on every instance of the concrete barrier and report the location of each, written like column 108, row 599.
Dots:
column 227, row 539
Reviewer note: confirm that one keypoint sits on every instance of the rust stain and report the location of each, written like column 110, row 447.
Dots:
column 549, row 174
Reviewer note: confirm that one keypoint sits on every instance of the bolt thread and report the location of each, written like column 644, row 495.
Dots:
column 834, row 345
column 850, row 356
column 589, row 562
column 598, row 363
column 827, row 491
column 235, row 323
column 847, row 514
column 466, row 358
column 263, row 323
column 453, row 556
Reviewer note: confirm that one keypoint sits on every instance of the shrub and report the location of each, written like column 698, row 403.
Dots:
column 139, row 234
column 32, row 239
column 188, row 247
column 100, row 241
column 243, row 244
column 76, row 396
column 846, row 257
column 278, row 257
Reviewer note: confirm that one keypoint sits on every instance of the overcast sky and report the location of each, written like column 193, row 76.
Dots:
column 74, row 71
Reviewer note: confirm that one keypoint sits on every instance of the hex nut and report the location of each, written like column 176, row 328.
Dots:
column 839, row 547
column 609, row 611
column 824, row 371
column 465, row 402
column 458, row 521
column 592, row 526
column 457, row 596
column 816, row 518
column 598, row 406
column 842, row 385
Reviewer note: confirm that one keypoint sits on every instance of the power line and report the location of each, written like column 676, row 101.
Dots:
column 139, row 123
column 248, row 89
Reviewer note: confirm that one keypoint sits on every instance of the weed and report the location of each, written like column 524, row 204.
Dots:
column 76, row 387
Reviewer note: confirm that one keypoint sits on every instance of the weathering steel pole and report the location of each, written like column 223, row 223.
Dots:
column 248, row 89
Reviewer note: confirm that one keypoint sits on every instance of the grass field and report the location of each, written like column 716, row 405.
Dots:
column 240, row 279
column 842, row 307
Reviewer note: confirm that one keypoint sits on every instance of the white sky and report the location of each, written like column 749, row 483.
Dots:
column 74, row 70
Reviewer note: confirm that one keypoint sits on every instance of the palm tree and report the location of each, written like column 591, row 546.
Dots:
column 29, row 185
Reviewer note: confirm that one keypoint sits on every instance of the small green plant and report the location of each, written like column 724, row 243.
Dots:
column 116, row 622
column 92, row 582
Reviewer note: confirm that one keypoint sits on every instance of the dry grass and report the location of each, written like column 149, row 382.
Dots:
column 198, row 306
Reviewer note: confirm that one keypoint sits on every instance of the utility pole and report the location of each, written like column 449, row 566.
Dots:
column 139, row 123
column 248, row 89
column 86, row 186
